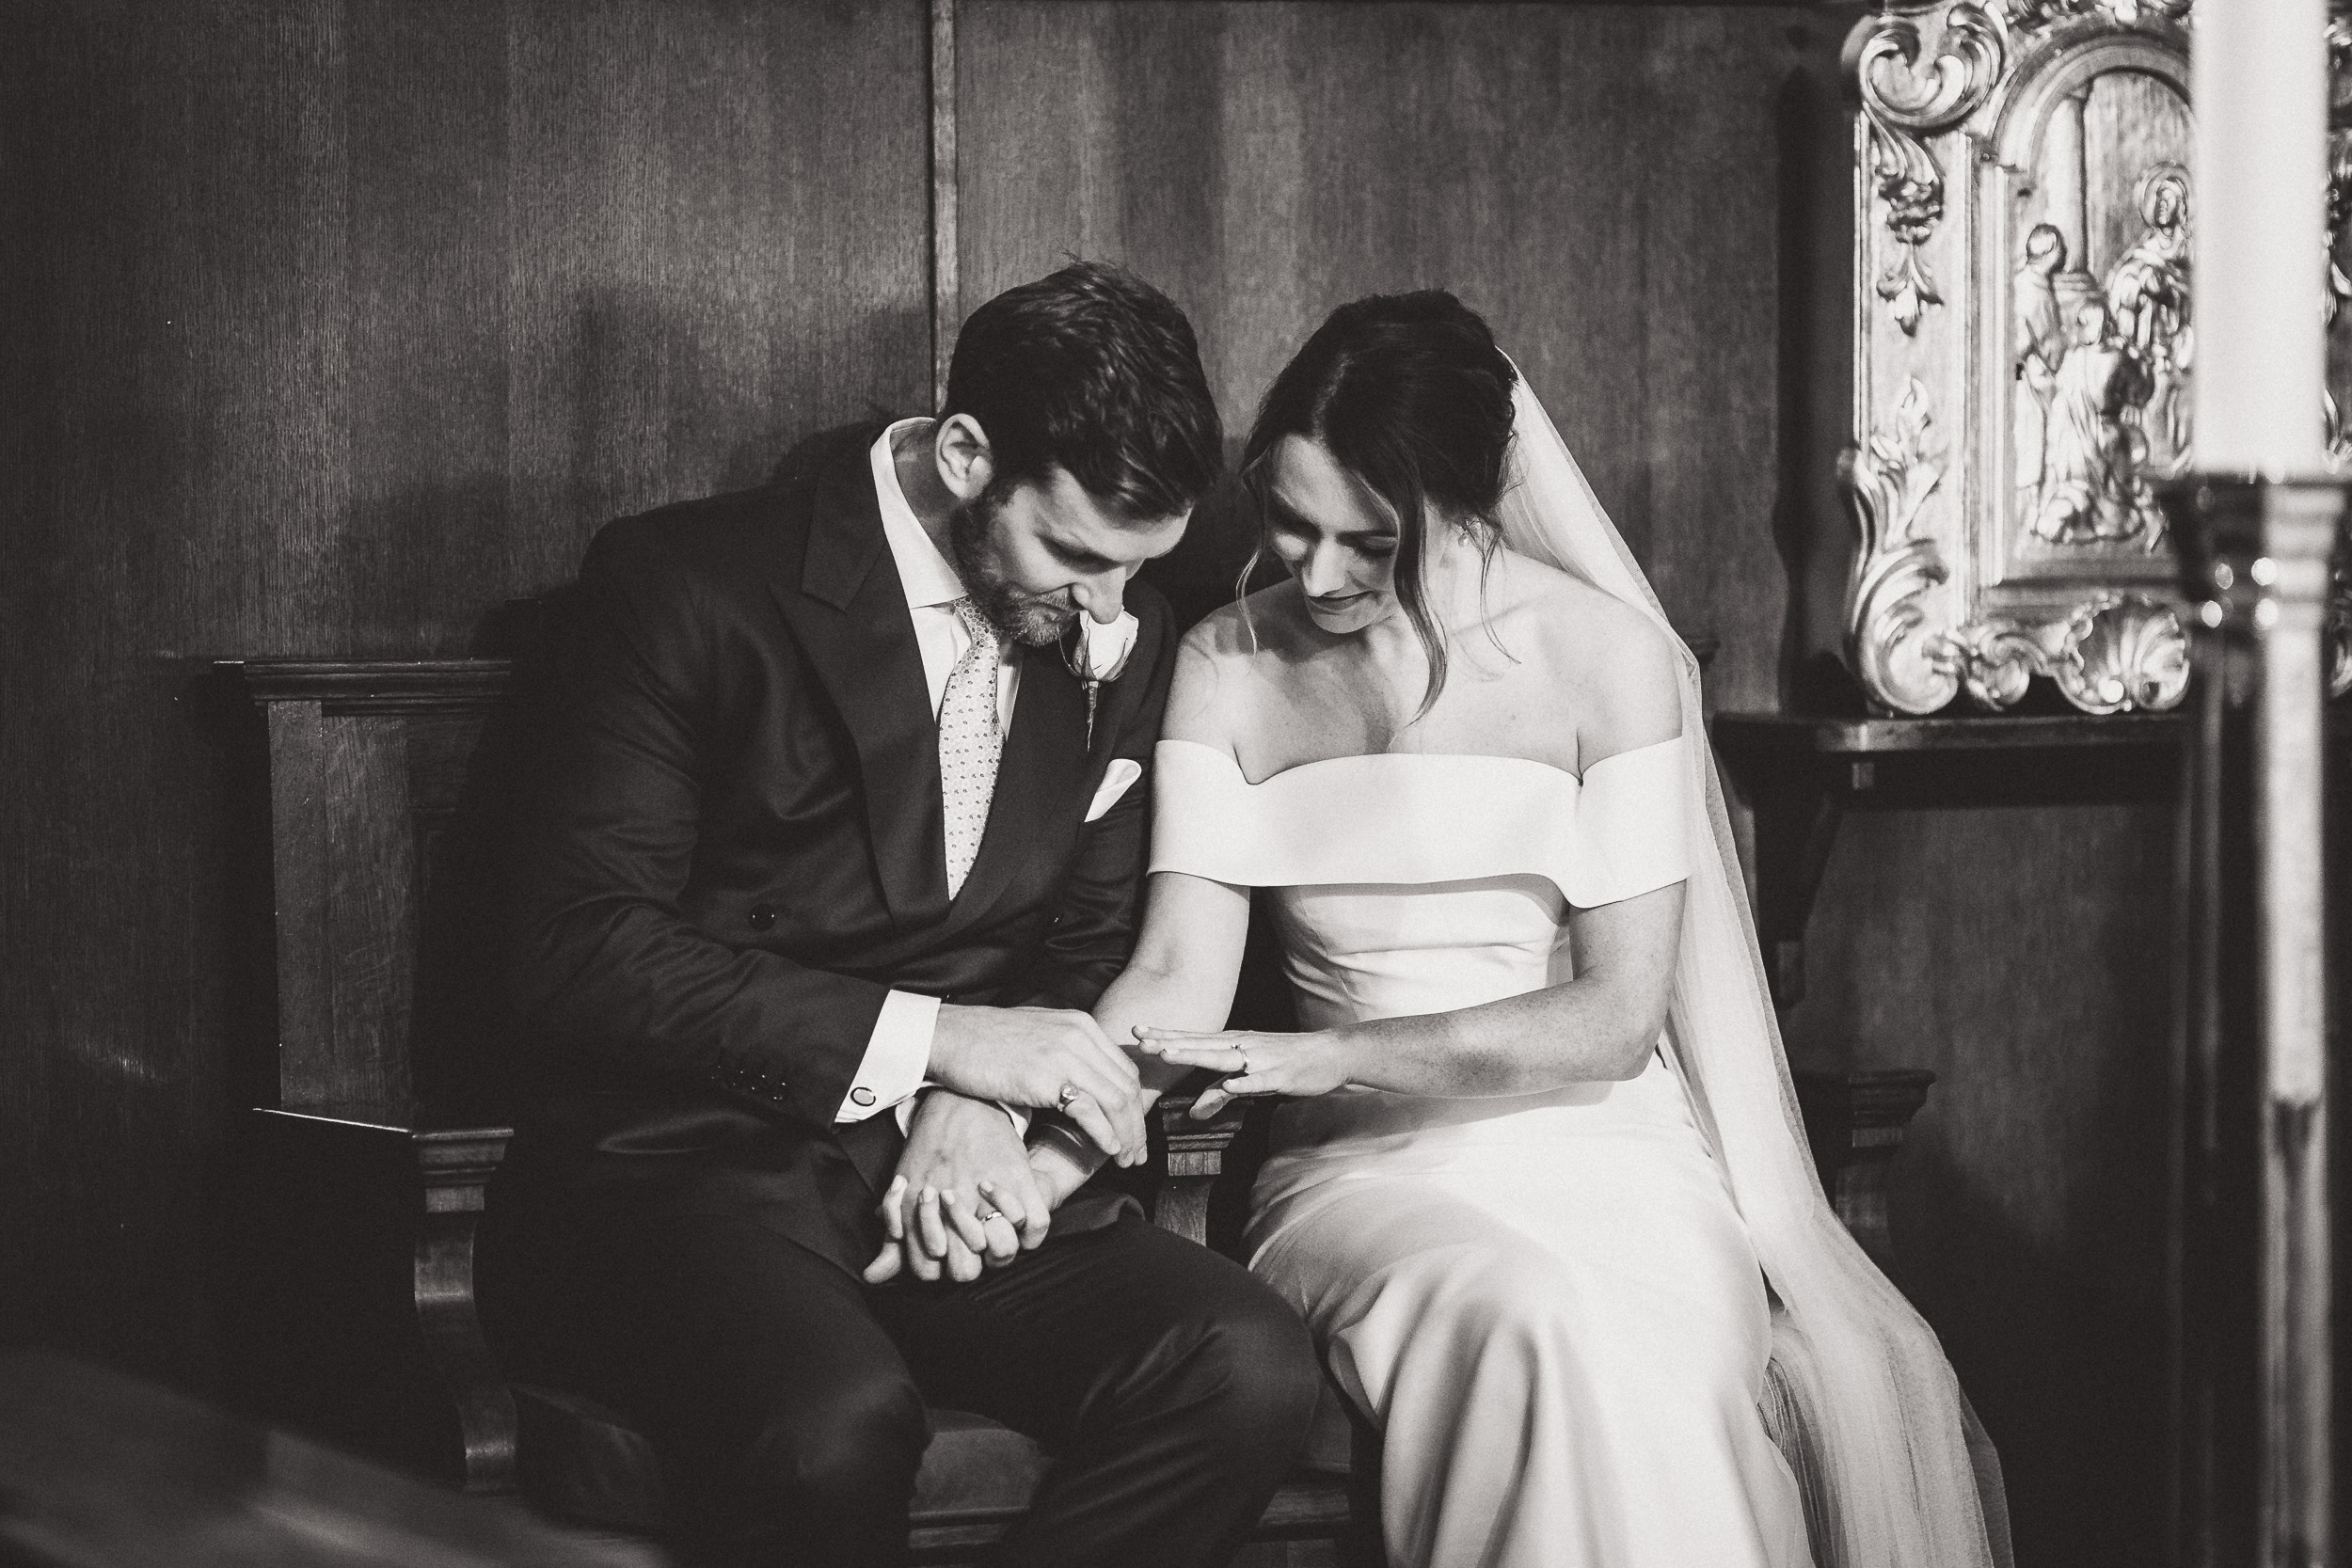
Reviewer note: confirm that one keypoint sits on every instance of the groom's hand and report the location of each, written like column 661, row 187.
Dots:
column 1031, row 1056
column 1058, row 1171
column 965, row 1197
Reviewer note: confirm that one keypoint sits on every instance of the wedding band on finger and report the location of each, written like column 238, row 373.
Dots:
column 992, row 1215
column 1245, row 1061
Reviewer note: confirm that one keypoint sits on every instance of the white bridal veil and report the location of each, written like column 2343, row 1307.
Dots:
column 1891, row 1484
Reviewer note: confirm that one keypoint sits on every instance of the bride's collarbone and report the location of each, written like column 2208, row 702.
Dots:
column 1515, row 685
column 1295, row 728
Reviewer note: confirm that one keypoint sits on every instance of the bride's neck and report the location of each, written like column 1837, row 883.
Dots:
column 1453, row 580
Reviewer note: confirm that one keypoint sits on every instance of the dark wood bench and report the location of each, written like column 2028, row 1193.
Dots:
column 370, row 1166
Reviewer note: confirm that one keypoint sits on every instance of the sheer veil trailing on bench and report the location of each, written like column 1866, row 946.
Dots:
column 1892, row 1475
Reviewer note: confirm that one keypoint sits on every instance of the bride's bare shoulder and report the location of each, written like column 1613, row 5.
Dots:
column 1575, row 619
column 1214, row 689
column 1609, row 660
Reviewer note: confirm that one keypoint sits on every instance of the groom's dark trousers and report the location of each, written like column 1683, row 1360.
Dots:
column 735, row 851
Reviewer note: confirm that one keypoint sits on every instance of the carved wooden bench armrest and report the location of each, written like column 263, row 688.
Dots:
column 1855, row 1122
column 1192, row 1156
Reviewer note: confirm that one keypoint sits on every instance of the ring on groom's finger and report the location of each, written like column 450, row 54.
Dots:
column 1069, row 1093
column 992, row 1215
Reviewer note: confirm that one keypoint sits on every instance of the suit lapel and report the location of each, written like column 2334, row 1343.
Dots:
column 849, row 613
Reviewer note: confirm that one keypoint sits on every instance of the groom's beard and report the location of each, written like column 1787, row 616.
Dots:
column 1023, row 617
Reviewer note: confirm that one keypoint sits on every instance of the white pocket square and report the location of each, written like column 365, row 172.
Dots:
column 1117, row 780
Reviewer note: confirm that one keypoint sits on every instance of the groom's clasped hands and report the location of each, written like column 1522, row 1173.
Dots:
column 969, row 1197
column 968, row 1194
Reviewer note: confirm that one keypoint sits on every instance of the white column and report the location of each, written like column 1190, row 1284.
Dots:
column 2259, row 90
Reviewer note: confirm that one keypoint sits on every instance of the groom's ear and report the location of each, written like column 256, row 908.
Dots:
column 966, row 461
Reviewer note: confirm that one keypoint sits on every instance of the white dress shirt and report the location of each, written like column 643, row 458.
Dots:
column 898, row 1052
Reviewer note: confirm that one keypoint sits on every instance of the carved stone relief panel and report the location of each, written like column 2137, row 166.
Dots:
column 2025, row 343
column 2339, row 212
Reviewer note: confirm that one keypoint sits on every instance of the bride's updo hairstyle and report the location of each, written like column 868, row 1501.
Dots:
column 1408, row 393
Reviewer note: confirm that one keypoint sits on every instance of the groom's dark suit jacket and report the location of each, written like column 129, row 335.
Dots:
column 738, row 850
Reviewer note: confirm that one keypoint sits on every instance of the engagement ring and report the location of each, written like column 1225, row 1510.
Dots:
column 1069, row 1093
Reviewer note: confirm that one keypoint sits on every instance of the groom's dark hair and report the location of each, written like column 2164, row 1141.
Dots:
column 1095, row 372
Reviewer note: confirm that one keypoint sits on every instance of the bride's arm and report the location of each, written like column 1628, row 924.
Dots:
column 1601, row 1025
column 1187, row 957
column 1182, row 976
column 1597, row 1027
column 1185, row 966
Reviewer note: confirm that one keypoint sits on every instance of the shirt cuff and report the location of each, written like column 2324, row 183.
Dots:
column 896, row 1053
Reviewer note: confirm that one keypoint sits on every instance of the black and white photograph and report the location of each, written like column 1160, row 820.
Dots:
column 1167, row 784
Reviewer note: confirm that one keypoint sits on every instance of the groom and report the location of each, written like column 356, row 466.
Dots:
column 833, row 843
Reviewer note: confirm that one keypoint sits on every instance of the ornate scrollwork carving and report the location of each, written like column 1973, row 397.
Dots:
column 2025, row 543
column 1904, row 102
column 1884, row 486
column 2122, row 652
column 2338, row 287
column 1997, row 659
column 2123, row 13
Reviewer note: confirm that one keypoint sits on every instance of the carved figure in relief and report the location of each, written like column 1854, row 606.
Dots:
column 2339, row 289
column 2092, row 491
column 2101, row 411
column 2037, row 348
column 2147, row 298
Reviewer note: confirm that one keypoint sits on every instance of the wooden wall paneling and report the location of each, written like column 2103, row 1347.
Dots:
column 172, row 179
column 1710, row 309
column 944, row 289
column 720, row 244
column 1594, row 181
column 326, row 326
column 1816, row 303
column 428, row 270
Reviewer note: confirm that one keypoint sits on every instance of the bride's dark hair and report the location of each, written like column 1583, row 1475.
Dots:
column 1408, row 393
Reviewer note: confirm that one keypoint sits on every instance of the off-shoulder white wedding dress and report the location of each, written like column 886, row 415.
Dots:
column 1549, row 1303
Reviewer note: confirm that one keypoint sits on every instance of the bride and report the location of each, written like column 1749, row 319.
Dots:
column 1538, row 1163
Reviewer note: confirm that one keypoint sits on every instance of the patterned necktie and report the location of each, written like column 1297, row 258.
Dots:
column 969, row 741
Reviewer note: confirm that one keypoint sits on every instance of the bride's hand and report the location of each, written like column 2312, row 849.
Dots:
column 1314, row 1063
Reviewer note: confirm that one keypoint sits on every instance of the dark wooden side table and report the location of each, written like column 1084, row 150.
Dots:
column 1801, row 775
